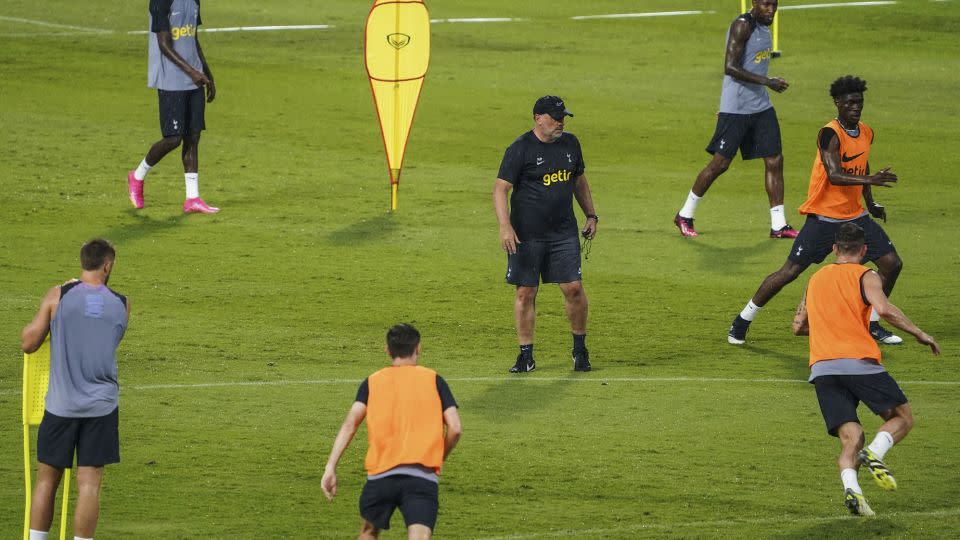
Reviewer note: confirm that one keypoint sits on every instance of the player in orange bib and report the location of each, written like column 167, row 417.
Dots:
column 412, row 426
column 840, row 178
column 845, row 362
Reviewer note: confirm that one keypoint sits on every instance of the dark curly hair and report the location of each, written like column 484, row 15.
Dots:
column 846, row 85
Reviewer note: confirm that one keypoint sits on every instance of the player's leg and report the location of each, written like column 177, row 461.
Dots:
column 811, row 246
column 763, row 141
column 884, row 397
column 196, row 105
column 838, row 405
column 523, row 271
column 368, row 531
column 378, row 499
column 562, row 266
column 44, row 494
column 87, row 511
column 723, row 147
column 173, row 120
column 419, row 504
column 881, row 251
column 771, row 285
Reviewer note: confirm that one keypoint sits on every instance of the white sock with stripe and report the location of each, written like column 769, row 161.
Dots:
column 849, row 479
column 690, row 206
column 142, row 170
column 881, row 444
column 777, row 218
column 192, row 180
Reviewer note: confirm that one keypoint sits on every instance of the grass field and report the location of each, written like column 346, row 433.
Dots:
column 251, row 329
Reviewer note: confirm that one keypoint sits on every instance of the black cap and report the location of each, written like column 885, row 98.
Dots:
column 552, row 105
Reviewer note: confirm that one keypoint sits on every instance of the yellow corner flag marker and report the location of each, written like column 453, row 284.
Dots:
column 396, row 53
column 36, row 373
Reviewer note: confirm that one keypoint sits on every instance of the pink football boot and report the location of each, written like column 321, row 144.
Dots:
column 198, row 205
column 135, row 187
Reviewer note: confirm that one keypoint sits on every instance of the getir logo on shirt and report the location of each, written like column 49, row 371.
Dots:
column 560, row 176
column 761, row 56
column 188, row 30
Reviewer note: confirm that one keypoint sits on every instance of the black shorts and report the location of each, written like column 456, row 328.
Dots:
column 417, row 498
column 553, row 261
column 816, row 238
column 96, row 440
column 839, row 396
column 757, row 135
column 181, row 112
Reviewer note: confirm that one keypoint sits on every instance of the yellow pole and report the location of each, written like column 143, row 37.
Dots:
column 743, row 6
column 64, row 504
column 26, row 475
column 776, row 34
column 394, row 179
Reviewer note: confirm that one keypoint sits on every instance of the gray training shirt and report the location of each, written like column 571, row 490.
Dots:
column 84, row 335
column 738, row 97
column 181, row 18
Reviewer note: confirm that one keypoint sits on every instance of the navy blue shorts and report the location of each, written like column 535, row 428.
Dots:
column 417, row 498
column 553, row 261
column 96, row 440
column 756, row 135
column 182, row 112
column 839, row 396
column 816, row 238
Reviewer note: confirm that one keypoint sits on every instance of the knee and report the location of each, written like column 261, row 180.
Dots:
column 774, row 163
column 191, row 140
column 718, row 167
column 526, row 296
column 891, row 269
column 171, row 142
column 788, row 273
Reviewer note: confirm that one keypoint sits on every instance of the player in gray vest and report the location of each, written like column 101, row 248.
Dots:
column 179, row 72
column 86, row 321
column 747, row 120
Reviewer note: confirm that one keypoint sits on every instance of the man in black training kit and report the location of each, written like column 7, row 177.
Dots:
column 538, row 230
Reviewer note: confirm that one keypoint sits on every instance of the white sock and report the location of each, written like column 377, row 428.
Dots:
column 882, row 443
column 193, row 184
column 142, row 170
column 750, row 311
column 78, row 538
column 38, row 535
column 777, row 219
column 690, row 207
column 849, row 479
column 873, row 315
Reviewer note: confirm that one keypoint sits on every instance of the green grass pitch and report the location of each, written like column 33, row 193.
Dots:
column 252, row 328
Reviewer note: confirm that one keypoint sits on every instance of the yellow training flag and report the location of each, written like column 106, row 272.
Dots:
column 397, row 52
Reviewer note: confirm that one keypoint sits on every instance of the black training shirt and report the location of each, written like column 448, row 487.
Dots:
column 543, row 177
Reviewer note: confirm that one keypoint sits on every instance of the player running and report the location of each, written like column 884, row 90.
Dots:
column 747, row 120
column 845, row 362
column 840, row 177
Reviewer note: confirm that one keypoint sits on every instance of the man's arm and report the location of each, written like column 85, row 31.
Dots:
column 508, row 237
column 211, row 87
column 349, row 428
column 876, row 209
column 581, row 190
column 732, row 66
column 801, row 324
column 830, row 156
column 36, row 331
column 166, row 48
column 451, row 419
column 873, row 291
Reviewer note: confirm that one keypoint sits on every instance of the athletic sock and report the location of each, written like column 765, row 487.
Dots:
column 881, row 444
column 750, row 311
column 777, row 219
column 849, row 479
column 192, row 180
column 526, row 351
column 579, row 342
column 78, row 538
column 874, row 316
column 38, row 535
column 142, row 170
column 689, row 207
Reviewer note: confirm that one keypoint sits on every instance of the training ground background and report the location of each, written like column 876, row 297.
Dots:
column 252, row 328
